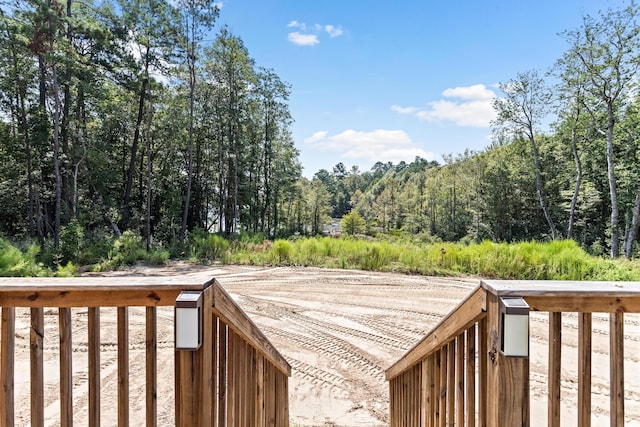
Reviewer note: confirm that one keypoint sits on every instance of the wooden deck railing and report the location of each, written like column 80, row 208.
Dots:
column 235, row 378
column 458, row 375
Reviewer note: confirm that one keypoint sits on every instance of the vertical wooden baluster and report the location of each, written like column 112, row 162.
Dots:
column 470, row 420
column 444, row 353
column 555, row 366
column 584, row 369
column 425, row 398
column 451, row 383
column 36, row 337
column 215, row 358
column 7, row 365
column 151, row 350
column 437, row 367
column 93, row 326
column 483, row 341
column 460, row 383
column 616, row 354
column 66, row 367
column 123, row 367
column 222, row 374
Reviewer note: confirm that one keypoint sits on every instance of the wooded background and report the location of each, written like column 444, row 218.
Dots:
column 128, row 115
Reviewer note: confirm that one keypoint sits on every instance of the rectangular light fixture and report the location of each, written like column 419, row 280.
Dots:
column 188, row 320
column 514, row 327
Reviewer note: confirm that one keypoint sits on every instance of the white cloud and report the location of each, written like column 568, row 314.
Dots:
column 303, row 39
column 470, row 107
column 333, row 31
column 309, row 34
column 318, row 136
column 219, row 4
column 296, row 24
column 390, row 145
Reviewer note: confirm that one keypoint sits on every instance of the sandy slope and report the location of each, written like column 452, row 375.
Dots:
column 338, row 329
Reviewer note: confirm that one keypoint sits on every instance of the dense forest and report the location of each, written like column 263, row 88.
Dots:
column 129, row 116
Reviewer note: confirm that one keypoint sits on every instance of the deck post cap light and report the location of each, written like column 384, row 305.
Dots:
column 188, row 320
column 514, row 327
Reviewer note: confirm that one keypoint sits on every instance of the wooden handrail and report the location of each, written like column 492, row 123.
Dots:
column 227, row 309
column 467, row 313
column 459, row 363
column 95, row 291
column 236, row 376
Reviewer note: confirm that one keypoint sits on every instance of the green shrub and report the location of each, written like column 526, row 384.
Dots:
column 208, row 247
column 68, row 270
column 71, row 241
column 352, row 223
column 15, row 263
column 282, row 251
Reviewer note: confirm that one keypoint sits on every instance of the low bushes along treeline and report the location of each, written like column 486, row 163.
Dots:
column 556, row 260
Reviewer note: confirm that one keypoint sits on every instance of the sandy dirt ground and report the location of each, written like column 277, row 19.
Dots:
column 338, row 329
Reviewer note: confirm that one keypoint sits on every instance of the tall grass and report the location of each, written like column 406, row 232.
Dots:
column 557, row 260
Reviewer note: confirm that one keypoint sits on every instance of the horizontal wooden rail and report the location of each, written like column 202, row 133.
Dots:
column 460, row 362
column 457, row 321
column 236, row 377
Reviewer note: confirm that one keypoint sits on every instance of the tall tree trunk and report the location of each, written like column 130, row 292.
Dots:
column 192, row 84
column 576, row 191
column 149, row 174
column 126, row 205
column 66, row 106
column 56, row 140
column 632, row 233
column 615, row 232
column 539, row 186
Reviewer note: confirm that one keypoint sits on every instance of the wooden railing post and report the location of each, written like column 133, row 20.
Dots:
column 507, row 377
column 195, row 377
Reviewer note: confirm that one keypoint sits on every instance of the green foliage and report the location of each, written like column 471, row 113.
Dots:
column 16, row 263
column 556, row 260
column 129, row 249
column 71, row 241
column 207, row 247
column 68, row 270
column 352, row 223
column 282, row 251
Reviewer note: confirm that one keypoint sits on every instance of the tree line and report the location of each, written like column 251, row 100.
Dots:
column 131, row 115
column 128, row 115
column 579, row 179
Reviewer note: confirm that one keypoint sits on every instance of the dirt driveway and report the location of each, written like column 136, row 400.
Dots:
column 339, row 330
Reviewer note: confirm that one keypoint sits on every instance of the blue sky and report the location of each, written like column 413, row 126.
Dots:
column 388, row 81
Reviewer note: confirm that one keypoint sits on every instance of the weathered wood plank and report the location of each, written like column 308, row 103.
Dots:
column 66, row 367
column 194, row 376
column 467, row 313
column 555, row 358
column 223, row 344
column 101, row 284
column 584, row 369
column 123, row 367
column 460, row 383
column 585, row 304
column 7, row 366
column 483, row 366
column 227, row 309
column 560, row 288
column 507, row 378
column 444, row 358
column 151, row 366
column 36, row 338
column 451, row 383
column 616, row 360
column 470, row 367
column 93, row 326
column 89, row 298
